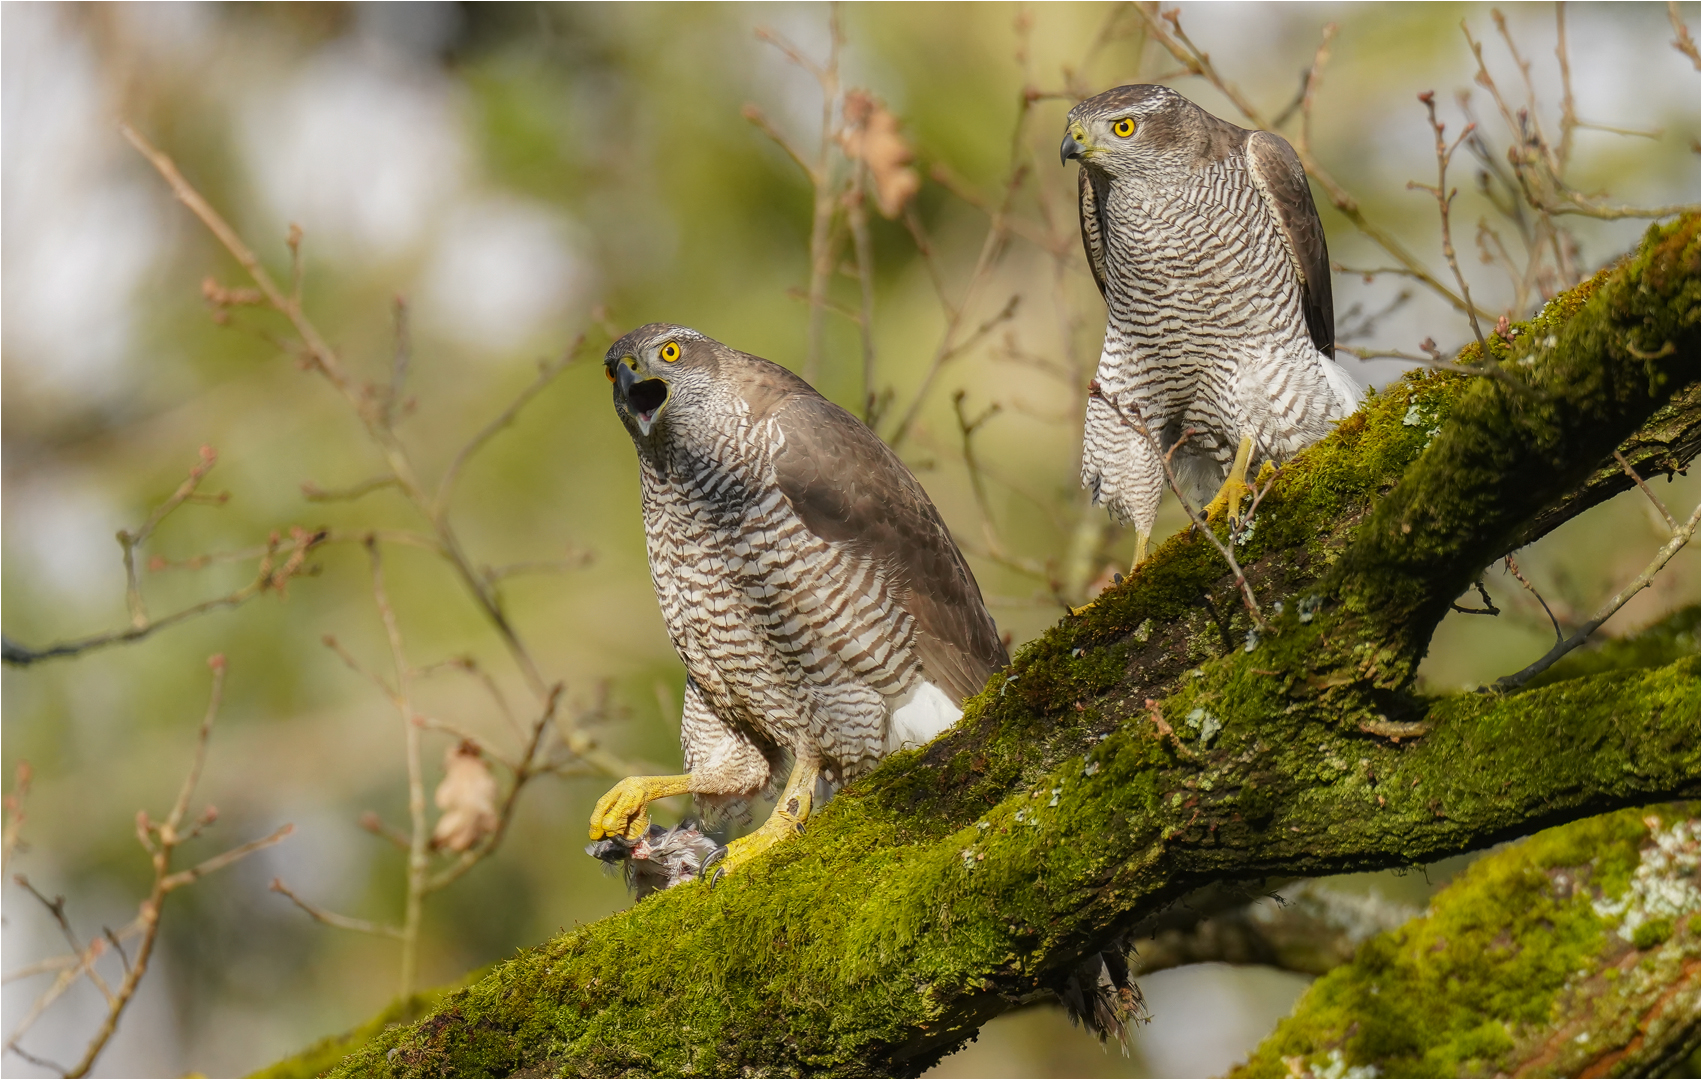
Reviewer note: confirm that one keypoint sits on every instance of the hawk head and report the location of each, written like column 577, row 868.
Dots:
column 1135, row 131
column 656, row 370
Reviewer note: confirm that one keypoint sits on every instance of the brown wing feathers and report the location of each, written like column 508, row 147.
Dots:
column 1281, row 179
column 850, row 488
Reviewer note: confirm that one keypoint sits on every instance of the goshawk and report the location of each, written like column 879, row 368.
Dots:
column 1204, row 241
column 821, row 609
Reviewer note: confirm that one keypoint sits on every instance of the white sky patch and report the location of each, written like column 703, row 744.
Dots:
column 80, row 232
column 361, row 147
column 503, row 270
column 60, row 527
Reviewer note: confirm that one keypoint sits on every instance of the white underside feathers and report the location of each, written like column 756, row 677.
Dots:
column 1348, row 392
column 919, row 716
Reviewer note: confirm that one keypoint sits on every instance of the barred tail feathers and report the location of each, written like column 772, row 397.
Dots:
column 1120, row 468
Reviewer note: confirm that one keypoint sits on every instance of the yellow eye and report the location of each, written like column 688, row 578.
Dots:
column 1123, row 128
column 670, row 352
column 610, row 372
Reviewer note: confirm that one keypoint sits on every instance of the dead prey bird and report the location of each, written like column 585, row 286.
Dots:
column 660, row 859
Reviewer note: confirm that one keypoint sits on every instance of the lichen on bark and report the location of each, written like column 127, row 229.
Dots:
column 1571, row 953
column 1151, row 746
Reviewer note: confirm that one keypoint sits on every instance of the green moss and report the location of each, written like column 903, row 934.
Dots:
column 1475, row 986
column 959, row 878
column 319, row 1058
column 1576, row 381
column 1652, row 933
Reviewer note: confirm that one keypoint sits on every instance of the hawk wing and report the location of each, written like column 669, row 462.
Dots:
column 850, row 489
column 1277, row 172
column 1092, row 190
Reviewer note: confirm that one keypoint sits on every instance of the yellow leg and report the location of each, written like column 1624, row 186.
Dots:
column 625, row 810
column 790, row 813
column 1234, row 485
column 1141, row 539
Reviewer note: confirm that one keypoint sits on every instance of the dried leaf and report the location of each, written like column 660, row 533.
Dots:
column 871, row 136
column 467, row 797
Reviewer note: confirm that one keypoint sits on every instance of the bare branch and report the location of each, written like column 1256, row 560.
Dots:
column 1666, row 515
column 331, row 918
column 314, row 493
column 224, row 859
column 1513, row 568
column 1444, row 200
column 376, row 825
column 1488, row 607
column 14, row 812
column 1682, row 41
column 546, row 374
column 1680, row 537
column 1314, row 79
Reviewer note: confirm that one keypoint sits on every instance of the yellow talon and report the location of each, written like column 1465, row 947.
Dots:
column 625, row 810
column 1234, row 485
column 790, row 813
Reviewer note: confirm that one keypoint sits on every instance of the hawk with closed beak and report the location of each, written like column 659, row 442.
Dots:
column 1220, row 335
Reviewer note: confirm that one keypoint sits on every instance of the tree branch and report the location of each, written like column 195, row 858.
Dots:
column 1563, row 968
column 1138, row 752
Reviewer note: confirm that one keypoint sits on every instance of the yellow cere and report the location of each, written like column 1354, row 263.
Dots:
column 1123, row 128
column 670, row 352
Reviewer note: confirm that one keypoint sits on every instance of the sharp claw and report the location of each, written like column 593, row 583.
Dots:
column 715, row 856
column 720, row 872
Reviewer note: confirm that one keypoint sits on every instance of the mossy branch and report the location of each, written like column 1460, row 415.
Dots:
column 1152, row 746
column 1572, row 953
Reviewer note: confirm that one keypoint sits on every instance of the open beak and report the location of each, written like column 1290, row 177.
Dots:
column 1070, row 149
column 643, row 397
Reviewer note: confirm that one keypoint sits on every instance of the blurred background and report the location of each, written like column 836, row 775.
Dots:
column 523, row 174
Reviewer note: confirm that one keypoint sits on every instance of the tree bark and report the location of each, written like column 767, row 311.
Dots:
column 1153, row 744
column 1572, row 953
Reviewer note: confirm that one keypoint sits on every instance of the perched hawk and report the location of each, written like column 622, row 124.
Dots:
column 821, row 609
column 1205, row 244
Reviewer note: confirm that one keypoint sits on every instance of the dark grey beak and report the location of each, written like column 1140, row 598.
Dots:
column 624, row 378
column 643, row 397
column 1070, row 149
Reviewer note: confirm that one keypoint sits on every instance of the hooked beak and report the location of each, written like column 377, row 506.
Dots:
column 1070, row 149
column 643, row 397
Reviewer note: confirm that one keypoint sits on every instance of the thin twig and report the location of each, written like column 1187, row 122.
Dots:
column 268, row 578
column 546, row 375
column 1666, row 515
column 820, row 172
column 530, row 766
column 1682, row 41
column 1513, row 568
column 331, row 918
column 1680, row 536
column 318, row 355
column 130, row 541
column 1488, row 607
column 161, row 841
column 1131, row 415
column 419, row 832
column 376, row 825
column 1444, row 201
column 14, row 812
column 1568, row 104
column 1314, row 79
column 314, row 493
